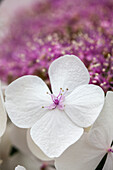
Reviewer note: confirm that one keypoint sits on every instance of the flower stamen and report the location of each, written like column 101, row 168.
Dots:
column 57, row 100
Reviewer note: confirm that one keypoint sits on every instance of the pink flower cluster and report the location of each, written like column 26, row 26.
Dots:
column 51, row 29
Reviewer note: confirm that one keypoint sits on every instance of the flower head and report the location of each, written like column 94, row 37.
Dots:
column 93, row 146
column 56, row 120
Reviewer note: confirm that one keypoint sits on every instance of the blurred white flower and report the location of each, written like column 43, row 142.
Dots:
column 21, row 139
column 35, row 149
column 56, row 120
column 90, row 149
column 21, row 159
column 5, row 147
column 16, row 137
column 20, row 168
column 3, row 116
column 31, row 163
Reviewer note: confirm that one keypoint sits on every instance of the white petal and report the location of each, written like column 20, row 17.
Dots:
column 84, row 104
column 3, row 116
column 35, row 149
column 24, row 100
column 20, row 168
column 101, row 134
column 55, row 132
column 67, row 72
column 80, row 156
column 109, row 162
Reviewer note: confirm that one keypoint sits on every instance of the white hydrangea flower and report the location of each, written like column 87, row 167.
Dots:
column 20, row 168
column 3, row 116
column 92, row 147
column 56, row 120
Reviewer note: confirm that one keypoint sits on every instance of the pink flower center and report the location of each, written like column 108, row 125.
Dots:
column 57, row 100
column 110, row 150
